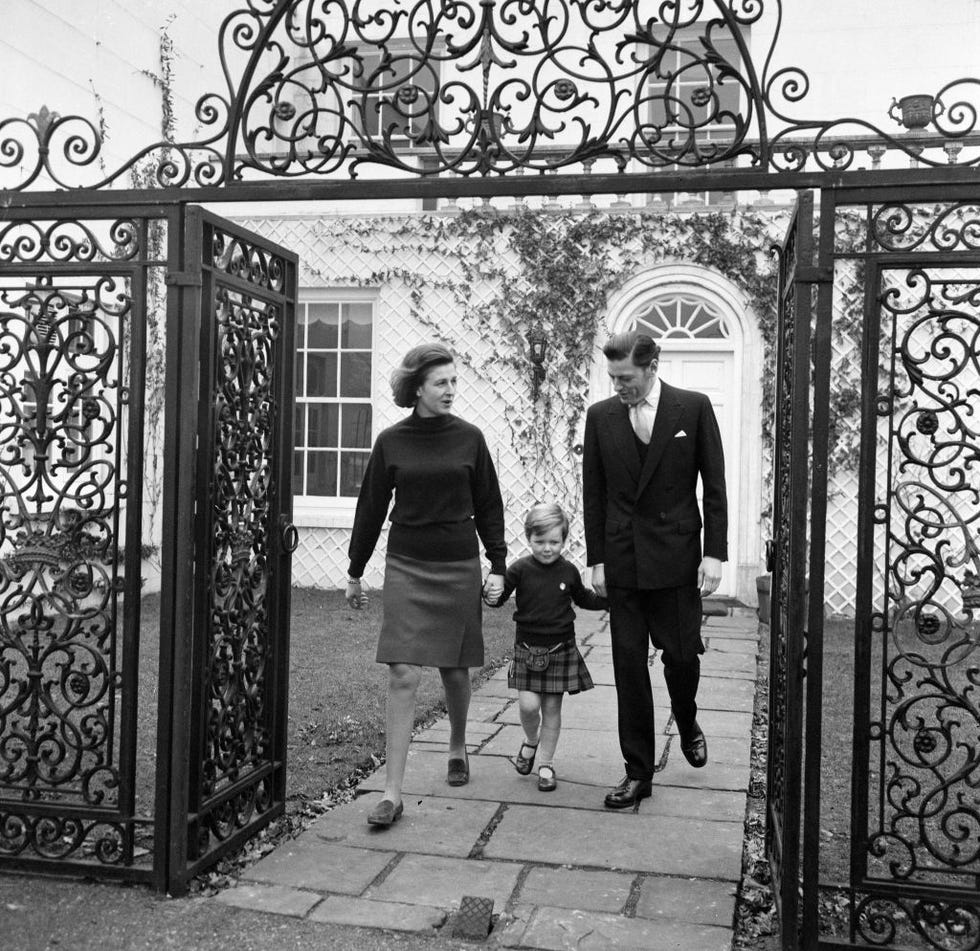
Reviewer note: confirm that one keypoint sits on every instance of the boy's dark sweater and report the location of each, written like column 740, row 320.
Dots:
column 545, row 594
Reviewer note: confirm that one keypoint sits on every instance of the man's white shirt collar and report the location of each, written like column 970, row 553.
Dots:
column 653, row 397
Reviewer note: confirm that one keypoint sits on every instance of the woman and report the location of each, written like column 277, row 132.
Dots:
column 446, row 493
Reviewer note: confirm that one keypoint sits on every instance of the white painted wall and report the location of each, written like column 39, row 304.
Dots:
column 78, row 57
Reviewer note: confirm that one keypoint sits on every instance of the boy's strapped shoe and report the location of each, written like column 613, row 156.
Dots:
column 546, row 778
column 524, row 764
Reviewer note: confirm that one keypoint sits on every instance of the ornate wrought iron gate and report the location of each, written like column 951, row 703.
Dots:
column 914, row 733
column 77, row 296
column 224, row 676
column 74, row 294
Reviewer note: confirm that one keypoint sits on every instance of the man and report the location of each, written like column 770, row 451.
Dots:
column 644, row 450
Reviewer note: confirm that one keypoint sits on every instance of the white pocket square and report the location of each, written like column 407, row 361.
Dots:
column 678, row 435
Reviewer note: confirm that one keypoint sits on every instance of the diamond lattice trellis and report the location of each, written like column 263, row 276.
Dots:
column 335, row 253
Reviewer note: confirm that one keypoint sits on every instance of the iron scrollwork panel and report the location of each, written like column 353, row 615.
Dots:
column 479, row 87
column 66, row 793
column 921, row 859
column 239, row 756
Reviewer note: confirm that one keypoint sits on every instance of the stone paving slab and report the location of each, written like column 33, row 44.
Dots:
column 275, row 899
column 643, row 841
column 734, row 645
column 722, row 723
column 601, row 673
column 739, row 666
column 577, row 888
column 730, row 750
column 731, row 627
column 393, row 916
column 720, row 776
column 442, row 882
column 671, row 800
column 310, row 862
column 476, row 731
column 483, row 709
column 717, row 692
column 496, row 688
column 558, row 929
column 429, row 826
column 687, row 899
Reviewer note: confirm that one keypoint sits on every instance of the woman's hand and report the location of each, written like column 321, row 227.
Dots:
column 356, row 598
column 493, row 588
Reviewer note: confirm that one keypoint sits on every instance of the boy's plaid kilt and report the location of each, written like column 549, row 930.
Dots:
column 566, row 671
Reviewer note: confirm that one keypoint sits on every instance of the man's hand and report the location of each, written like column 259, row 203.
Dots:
column 709, row 575
column 599, row 580
column 493, row 588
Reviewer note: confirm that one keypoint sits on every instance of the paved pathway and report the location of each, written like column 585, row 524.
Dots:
column 562, row 870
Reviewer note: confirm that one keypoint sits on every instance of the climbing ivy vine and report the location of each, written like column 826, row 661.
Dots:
column 504, row 272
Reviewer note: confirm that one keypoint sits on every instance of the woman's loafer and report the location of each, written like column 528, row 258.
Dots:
column 385, row 813
column 458, row 773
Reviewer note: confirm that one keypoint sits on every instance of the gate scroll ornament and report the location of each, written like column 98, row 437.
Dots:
column 320, row 88
column 71, row 379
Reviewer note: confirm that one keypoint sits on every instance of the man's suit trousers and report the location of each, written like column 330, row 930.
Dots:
column 670, row 618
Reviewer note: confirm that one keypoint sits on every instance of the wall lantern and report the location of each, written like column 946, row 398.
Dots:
column 916, row 111
column 538, row 344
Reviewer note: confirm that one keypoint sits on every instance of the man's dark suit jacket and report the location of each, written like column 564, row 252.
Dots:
column 643, row 524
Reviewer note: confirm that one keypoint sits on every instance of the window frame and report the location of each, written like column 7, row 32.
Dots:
column 370, row 58
column 705, row 137
column 689, row 38
column 334, row 511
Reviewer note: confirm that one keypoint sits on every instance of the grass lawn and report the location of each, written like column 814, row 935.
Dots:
column 837, row 743
column 336, row 690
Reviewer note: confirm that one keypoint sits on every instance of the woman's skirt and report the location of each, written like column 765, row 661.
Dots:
column 566, row 671
column 433, row 613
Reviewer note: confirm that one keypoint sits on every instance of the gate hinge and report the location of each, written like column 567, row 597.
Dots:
column 814, row 275
column 184, row 278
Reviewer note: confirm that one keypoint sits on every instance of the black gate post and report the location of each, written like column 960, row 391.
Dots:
column 177, row 548
column 789, row 570
column 823, row 278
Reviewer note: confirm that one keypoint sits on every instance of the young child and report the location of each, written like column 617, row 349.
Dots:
column 547, row 663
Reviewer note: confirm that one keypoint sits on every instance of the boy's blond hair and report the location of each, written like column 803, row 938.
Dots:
column 544, row 516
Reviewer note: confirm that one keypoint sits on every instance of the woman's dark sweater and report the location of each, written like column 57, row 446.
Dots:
column 545, row 594
column 446, row 493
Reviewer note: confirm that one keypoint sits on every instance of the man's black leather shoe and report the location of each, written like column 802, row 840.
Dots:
column 629, row 792
column 694, row 746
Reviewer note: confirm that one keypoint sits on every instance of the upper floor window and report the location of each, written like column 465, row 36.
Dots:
column 689, row 96
column 333, row 417
column 398, row 93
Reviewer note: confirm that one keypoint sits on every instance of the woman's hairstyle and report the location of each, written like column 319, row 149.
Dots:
column 544, row 516
column 639, row 347
column 407, row 378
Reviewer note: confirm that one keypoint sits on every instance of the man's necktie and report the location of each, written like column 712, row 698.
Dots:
column 642, row 415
